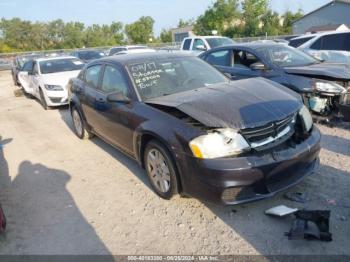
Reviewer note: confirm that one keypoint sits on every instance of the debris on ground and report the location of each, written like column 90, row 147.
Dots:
column 281, row 211
column 297, row 197
column 18, row 93
column 311, row 225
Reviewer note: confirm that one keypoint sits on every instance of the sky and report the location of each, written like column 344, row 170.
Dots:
column 166, row 13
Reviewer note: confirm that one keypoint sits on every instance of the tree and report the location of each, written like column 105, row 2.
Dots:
column 288, row 19
column 140, row 31
column 253, row 11
column 166, row 36
column 183, row 23
column 271, row 23
column 220, row 16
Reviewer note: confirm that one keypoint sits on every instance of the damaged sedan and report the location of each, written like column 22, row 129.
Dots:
column 195, row 132
column 323, row 86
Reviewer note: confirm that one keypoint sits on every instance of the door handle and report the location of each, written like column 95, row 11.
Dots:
column 100, row 100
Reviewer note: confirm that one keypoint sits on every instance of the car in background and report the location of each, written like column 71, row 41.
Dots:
column 18, row 63
column 322, row 85
column 5, row 64
column 47, row 78
column 117, row 49
column 194, row 131
column 88, row 55
column 204, row 43
column 329, row 46
column 136, row 51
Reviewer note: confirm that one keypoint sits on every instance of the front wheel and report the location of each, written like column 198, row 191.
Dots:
column 43, row 100
column 161, row 170
column 79, row 126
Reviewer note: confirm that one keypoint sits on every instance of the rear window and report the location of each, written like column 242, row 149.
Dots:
column 60, row 65
column 336, row 42
column 298, row 42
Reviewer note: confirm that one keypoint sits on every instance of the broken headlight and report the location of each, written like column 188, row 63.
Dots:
column 306, row 118
column 219, row 143
column 329, row 87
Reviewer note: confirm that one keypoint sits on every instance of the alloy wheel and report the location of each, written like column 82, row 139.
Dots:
column 158, row 170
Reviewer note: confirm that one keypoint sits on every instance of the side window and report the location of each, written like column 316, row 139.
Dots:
column 187, row 44
column 334, row 42
column 92, row 75
column 114, row 81
column 197, row 43
column 220, row 58
column 28, row 67
column 317, row 45
column 243, row 59
column 347, row 42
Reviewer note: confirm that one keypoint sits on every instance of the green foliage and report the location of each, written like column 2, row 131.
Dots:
column 253, row 12
column 140, row 31
column 183, row 23
column 289, row 18
column 20, row 35
column 166, row 36
column 218, row 17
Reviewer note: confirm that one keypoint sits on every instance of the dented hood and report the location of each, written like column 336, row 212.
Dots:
column 240, row 104
column 332, row 70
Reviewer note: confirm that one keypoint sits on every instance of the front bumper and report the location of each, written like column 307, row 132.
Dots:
column 57, row 98
column 244, row 179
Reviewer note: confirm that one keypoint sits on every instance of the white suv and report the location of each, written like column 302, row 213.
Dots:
column 331, row 46
column 204, row 43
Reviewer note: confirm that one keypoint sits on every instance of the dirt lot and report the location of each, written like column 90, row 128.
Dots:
column 67, row 196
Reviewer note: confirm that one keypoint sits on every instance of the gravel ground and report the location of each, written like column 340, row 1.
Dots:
column 67, row 196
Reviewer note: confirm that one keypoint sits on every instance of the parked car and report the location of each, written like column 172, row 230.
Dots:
column 47, row 78
column 17, row 65
column 117, row 49
column 88, row 55
column 195, row 132
column 136, row 51
column 5, row 64
column 322, row 85
column 329, row 46
column 204, row 43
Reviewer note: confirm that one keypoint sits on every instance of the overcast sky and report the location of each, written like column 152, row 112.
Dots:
column 166, row 13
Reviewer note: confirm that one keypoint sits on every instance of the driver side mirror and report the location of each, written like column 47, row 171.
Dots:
column 201, row 48
column 258, row 66
column 118, row 97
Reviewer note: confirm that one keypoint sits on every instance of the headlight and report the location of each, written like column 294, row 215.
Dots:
column 306, row 117
column 219, row 143
column 54, row 88
column 329, row 87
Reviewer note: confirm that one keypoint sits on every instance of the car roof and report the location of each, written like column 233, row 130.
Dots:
column 137, row 57
column 54, row 58
column 252, row 45
column 320, row 34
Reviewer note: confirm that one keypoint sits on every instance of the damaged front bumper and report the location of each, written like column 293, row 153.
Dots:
column 244, row 179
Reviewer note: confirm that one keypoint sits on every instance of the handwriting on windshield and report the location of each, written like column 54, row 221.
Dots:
column 146, row 74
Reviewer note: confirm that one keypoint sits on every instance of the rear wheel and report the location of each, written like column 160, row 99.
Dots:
column 43, row 100
column 79, row 126
column 161, row 170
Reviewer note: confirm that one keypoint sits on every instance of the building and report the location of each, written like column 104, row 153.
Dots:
column 336, row 12
column 178, row 34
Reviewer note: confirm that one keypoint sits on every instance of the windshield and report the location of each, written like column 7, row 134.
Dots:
column 222, row 41
column 60, row 65
column 284, row 56
column 171, row 76
column 90, row 55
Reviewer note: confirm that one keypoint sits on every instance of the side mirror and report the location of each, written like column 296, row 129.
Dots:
column 118, row 97
column 201, row 48
column 258, row 66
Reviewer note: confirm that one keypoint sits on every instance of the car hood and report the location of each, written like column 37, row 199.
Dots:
column 240, row 104
column 331, row 70
column 61, row 78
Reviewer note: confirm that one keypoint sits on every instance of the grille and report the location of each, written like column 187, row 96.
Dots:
column 262, row 137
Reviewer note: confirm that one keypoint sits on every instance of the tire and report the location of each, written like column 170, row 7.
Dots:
column 79, row 125
column 42, row 100
column 2, row 221
column 161, row 170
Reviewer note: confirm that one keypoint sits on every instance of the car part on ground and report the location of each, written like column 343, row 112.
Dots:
column 311, row 225
column 280, row 211
column 322, row 85
column 171, row 111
